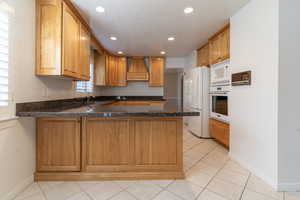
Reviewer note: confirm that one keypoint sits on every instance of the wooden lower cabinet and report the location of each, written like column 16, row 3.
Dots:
column 111, row 148
column 220, row 131
column 58, row 144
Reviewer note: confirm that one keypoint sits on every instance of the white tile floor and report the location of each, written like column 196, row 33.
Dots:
column 210, row 175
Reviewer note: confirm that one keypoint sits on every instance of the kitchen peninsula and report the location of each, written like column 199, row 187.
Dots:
column 107, row 139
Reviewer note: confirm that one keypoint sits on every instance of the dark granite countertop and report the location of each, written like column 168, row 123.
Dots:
column 170, row 108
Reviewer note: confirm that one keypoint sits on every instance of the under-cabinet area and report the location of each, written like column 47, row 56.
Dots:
column 93, row 148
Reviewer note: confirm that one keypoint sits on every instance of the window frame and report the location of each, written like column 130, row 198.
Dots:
column 8, row 110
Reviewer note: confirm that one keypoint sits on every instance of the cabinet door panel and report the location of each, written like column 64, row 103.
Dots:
column 156, row 72
column 220, row 131
column 58, row 144
column 203, row 56
column 225, row 44
column 116, row 69
column 107, row 144
column 214, row 50
column 219, row 46
column 48, row 45
column 122, row 71
column 85, row 53
column 158, row 144
column 71, row 42
column 99, row 69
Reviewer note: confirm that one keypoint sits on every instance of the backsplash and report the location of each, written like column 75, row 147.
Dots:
column 132, row 89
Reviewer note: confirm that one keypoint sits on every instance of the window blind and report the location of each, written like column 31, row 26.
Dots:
column 4, row 58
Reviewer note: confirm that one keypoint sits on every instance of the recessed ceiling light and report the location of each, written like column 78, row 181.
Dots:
column 162, row 52
column 113, row 38
column 171, row 38
column 188, row 10
column 100, row 9
column 120, row 52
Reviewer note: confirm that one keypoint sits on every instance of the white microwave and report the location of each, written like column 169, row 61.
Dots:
column 220, row 74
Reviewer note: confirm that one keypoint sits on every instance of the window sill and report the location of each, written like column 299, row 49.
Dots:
column 6, row 119
column 7, row 122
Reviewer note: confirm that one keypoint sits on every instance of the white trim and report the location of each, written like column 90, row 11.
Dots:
column 254, row 171
column 289, row 187
column 5, row 119
column 7, row 122
column 19, row 188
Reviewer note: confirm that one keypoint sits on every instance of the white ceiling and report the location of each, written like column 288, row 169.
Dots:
column 143, row 26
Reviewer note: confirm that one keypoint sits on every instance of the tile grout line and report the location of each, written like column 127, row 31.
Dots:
column 165, row 189
column 43, row 193
column 212, row 178
column 245, row 186
column 123, row 189
column 88, row 195
column 206, row 154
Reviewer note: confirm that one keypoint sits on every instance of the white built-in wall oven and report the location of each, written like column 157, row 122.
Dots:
column 219, row 103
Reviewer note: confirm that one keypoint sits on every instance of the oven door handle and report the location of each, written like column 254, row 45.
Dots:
column 217, row 93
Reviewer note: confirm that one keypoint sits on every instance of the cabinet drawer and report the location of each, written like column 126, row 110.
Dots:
column 220, row 131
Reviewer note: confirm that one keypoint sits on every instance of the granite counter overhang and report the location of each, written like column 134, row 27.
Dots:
column 98, row 109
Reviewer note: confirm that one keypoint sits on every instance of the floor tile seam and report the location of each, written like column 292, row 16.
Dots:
column 43, row 192
column 205, row 155
column 263, row 194
column 136, row 196
column 72, row 195
column 212, row 180
column 236, row 171
column 260, row 192
column 28, row 186
column 175, row 194
column 85, row 192
column 245, row 186
column 218, row 194
column 123, row 189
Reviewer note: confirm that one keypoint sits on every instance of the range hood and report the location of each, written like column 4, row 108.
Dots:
column 137, row 70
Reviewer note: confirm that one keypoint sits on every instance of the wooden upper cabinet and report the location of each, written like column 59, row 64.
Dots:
column 219, row 46
column 116, row 69
column 157, row 67
column 203, row 56
column 99, row 69
column 48, row 37
column 225, row 44
column 85, row 53
column 60, row 51
column 122, row 71
column 71, row 44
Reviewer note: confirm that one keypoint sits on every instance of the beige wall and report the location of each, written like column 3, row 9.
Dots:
column 17, row 137
column 173, row 84
column 253, row 109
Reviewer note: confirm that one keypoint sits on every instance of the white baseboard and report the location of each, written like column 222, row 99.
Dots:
column 254, row 171
column 19, row 188
column 289, row 187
